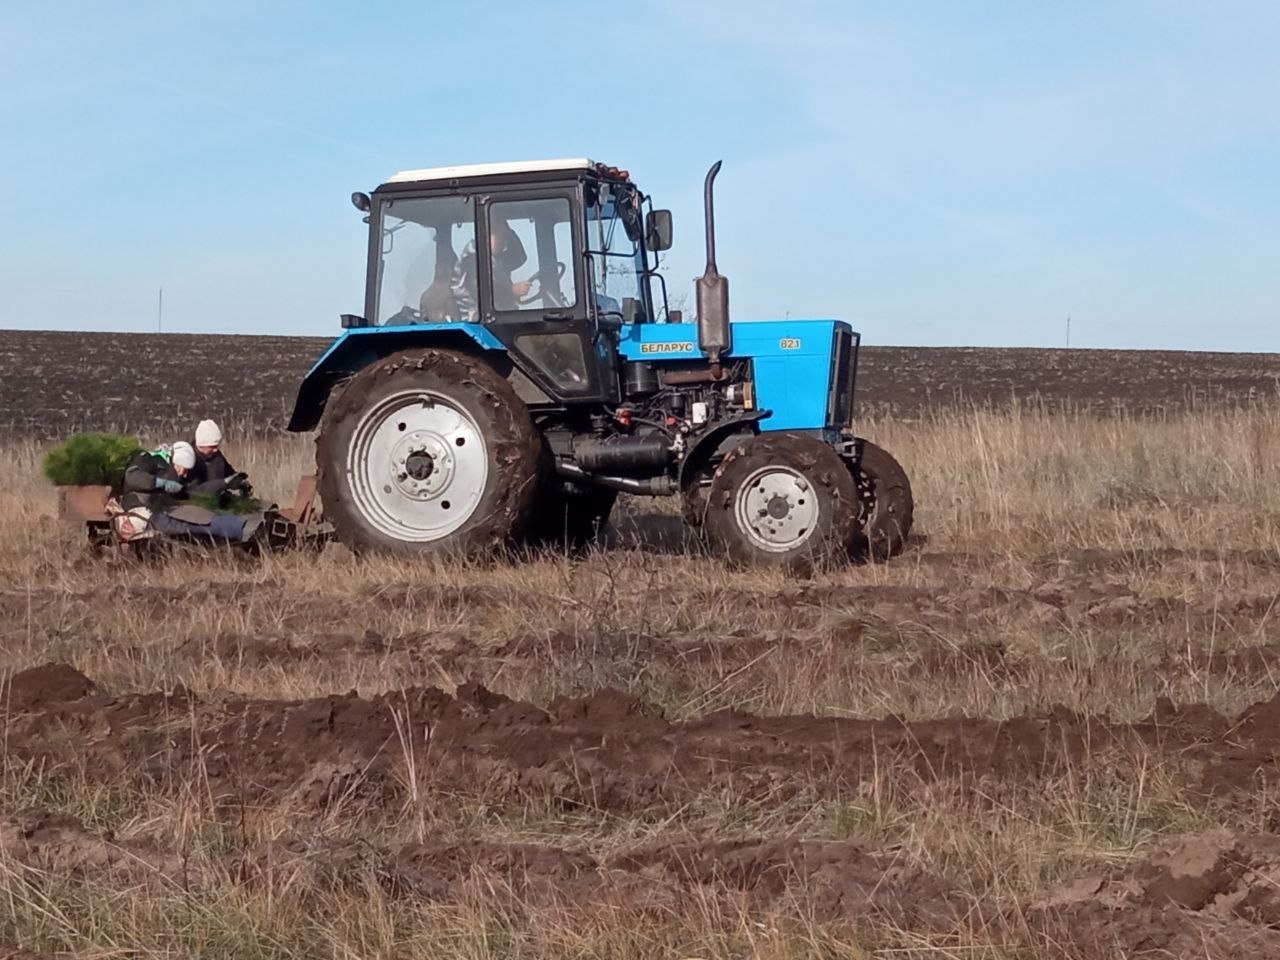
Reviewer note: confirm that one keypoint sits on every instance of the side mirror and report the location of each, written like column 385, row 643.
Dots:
column 657, row 230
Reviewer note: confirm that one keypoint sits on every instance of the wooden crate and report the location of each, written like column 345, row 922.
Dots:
column 83, row 503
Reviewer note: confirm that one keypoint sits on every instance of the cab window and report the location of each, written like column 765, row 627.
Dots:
column 616, row 268
column 423, row 241
column 531, row 255
column 558, row 355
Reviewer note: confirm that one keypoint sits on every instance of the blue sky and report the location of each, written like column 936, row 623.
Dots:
column 935, row 173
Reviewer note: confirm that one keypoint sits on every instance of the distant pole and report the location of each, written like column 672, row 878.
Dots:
column 1068, row 333
column 160, row 312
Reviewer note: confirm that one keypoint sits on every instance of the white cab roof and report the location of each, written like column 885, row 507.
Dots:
column 489, row 169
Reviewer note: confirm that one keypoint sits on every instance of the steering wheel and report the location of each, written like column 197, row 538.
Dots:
column 541, row 291
column 405, row 315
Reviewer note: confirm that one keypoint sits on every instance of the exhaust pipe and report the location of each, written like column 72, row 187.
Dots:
column 651, row 487
column 714, row 335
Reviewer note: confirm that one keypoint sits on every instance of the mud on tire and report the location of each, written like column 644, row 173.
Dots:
column 885, row 503
column 424, row 452
column 782, row 499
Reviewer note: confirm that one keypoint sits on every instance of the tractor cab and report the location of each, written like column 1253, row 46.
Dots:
column 545, row 256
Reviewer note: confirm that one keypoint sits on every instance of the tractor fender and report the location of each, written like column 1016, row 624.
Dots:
column 716, row 440
column 357, row 348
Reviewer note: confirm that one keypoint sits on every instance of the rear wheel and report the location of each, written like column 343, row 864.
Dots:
column 424, row 452
column 781, row 499
column 885, row 503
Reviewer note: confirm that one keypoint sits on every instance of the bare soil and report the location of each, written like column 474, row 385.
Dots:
column 1210, row 894
column 842, row 879
column 608, row 753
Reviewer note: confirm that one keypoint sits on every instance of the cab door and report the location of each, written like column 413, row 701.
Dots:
column 534, row 295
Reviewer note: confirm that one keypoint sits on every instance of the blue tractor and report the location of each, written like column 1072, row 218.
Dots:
column 517, row 367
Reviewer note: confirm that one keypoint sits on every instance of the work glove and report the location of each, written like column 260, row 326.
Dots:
column 168, row 486
column 237, row 481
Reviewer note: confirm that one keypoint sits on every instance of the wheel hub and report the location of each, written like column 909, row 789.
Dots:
column 418, row 466
column 777, row 508
column 422, row 466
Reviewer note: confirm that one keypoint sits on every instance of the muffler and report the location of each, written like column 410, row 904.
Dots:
column 714, row 334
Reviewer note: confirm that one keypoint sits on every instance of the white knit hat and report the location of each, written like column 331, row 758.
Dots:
column 208, row 434
column 184, row 455
column 132, row 523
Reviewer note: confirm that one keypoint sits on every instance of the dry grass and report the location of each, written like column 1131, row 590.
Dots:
column 1096, row 564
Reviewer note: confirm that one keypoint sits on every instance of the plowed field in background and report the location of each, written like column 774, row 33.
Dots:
column 54, row 382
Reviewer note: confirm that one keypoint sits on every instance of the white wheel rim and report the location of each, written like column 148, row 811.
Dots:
column 777, row 508
column 417, row 466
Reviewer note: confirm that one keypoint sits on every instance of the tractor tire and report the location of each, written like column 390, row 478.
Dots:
column 782, row 500
column 885, row 504
column 424, row 452
column 571, row 521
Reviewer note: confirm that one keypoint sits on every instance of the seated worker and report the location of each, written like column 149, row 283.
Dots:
column 157, row 481
column 158, row 478
column 212, row 473
column 508, row 255
column 436, row 305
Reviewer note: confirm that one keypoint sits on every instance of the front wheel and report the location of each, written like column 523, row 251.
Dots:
column 424, row 452
column 885, row 504
column 783, row 500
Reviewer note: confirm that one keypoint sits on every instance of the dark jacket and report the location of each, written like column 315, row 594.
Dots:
column 210, row 473
column 465, row 284
column 140, row 482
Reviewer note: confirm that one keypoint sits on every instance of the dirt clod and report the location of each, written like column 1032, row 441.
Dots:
column 1215, row 894
column 44, row 685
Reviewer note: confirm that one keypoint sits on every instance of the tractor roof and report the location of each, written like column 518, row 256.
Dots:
column 470, row 170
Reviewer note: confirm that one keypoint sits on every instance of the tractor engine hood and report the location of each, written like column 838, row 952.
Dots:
column 803, row 369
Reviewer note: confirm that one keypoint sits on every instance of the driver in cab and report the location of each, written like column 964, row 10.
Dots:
column 508, row 255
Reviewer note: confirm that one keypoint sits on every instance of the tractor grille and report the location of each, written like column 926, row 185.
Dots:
column 844, row 369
